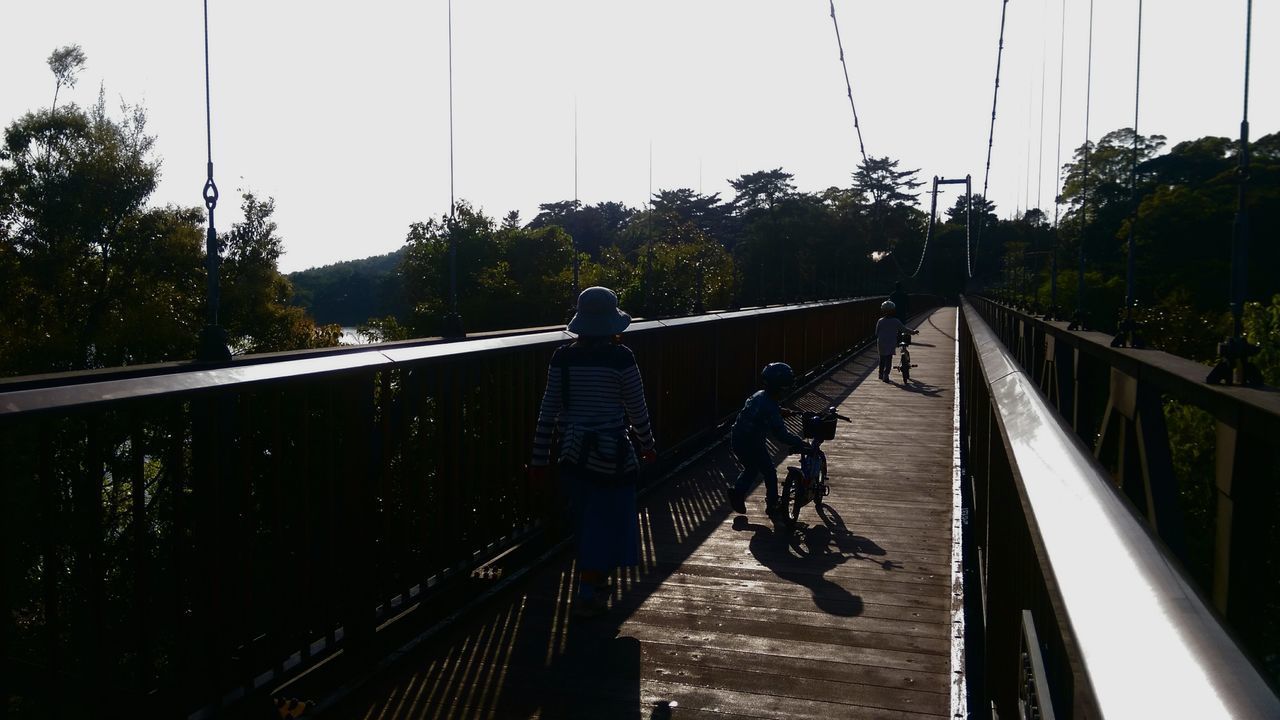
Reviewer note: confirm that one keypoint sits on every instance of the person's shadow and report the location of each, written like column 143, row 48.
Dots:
column 802, row 555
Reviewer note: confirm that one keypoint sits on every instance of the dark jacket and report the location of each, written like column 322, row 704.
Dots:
column 760, row 417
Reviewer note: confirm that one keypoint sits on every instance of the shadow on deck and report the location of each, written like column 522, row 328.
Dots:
column 733, row 616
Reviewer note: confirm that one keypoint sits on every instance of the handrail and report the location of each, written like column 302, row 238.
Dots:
column 64, row 391
column 1219, row 516
column 1170, row 373
column 1134, row 638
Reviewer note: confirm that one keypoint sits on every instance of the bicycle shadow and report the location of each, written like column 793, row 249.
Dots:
column 802, row 555
column 857, row 546
column 916, row 386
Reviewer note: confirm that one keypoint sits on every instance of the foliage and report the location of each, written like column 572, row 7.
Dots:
column 592, row 227
column 897, row 226
column 1192, row 439
column 383, row 329
column 350, row 292
column 683, row 215
column 881, row 178
column 255, row 309
column 761, row 190
column 66, row 63
column 511, row 277
column 1171, row 324
column 681, row 279
column 94, row 276
column 1262, row 327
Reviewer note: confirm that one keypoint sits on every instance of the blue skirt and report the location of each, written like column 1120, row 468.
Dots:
column 605, row 520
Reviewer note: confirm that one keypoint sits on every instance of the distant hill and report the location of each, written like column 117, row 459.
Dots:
column 349, row 293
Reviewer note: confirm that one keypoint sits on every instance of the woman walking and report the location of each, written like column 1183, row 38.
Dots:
column 594, row 393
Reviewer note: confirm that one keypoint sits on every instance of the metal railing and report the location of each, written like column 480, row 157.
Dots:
column 1114, row 400
column 1121, row 631
column 178, row 539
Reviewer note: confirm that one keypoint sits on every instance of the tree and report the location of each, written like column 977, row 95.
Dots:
column 98, row 278
column 979, row 210
column 592, row 227
column 256, row 309
column 680, row 278
column 885, row 183
column 1035, row 217
column 761, row 189
column 66, row 63
column 532, row 281
column 677, row 211
column 506, row 278
column 897, row 226
column 1097, row 191
column 351, row 292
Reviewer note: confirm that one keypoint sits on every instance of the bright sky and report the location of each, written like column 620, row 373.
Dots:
column 340, row 111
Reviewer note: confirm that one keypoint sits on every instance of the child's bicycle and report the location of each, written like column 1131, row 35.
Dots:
column 809, row 481
column 904, row 362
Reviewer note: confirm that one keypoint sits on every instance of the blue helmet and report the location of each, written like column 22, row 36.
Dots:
column 778, row 376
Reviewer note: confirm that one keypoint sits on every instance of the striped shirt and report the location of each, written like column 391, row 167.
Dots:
column 605, row 394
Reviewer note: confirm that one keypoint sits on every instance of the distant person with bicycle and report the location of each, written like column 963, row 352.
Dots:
column 594, row 394
column 888, row 329
column 901, row 301
column 760, row 417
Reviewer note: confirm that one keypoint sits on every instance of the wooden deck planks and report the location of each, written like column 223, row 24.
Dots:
column 733, row 616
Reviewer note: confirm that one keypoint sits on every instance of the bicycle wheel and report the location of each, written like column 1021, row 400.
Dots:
column 820, row 488
column 792, row 497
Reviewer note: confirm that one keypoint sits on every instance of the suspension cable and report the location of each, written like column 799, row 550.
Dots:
column 452, row 202
column 1078, row 321
column 453, row 242
column 968, row 209
column 1040, row 151
column 933, row 214
column 1133, row 173
column 213, row 345
column 848, row 87
column 1062, row 57
column 1054, row 310
column 1240, row 228
column 995, row 95
column 210, row 192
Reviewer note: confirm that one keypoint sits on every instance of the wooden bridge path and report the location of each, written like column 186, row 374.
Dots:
column 732, row 616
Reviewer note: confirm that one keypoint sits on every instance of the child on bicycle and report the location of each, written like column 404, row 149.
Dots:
column 888, row 329
column 760, row 417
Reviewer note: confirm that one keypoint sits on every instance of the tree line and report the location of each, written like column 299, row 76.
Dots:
column 97, row 277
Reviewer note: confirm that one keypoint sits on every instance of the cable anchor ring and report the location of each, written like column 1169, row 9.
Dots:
column 210, row 194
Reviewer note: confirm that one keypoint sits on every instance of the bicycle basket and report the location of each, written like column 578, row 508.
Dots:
column 818, row 427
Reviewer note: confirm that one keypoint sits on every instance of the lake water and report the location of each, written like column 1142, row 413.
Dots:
column 350, row 336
